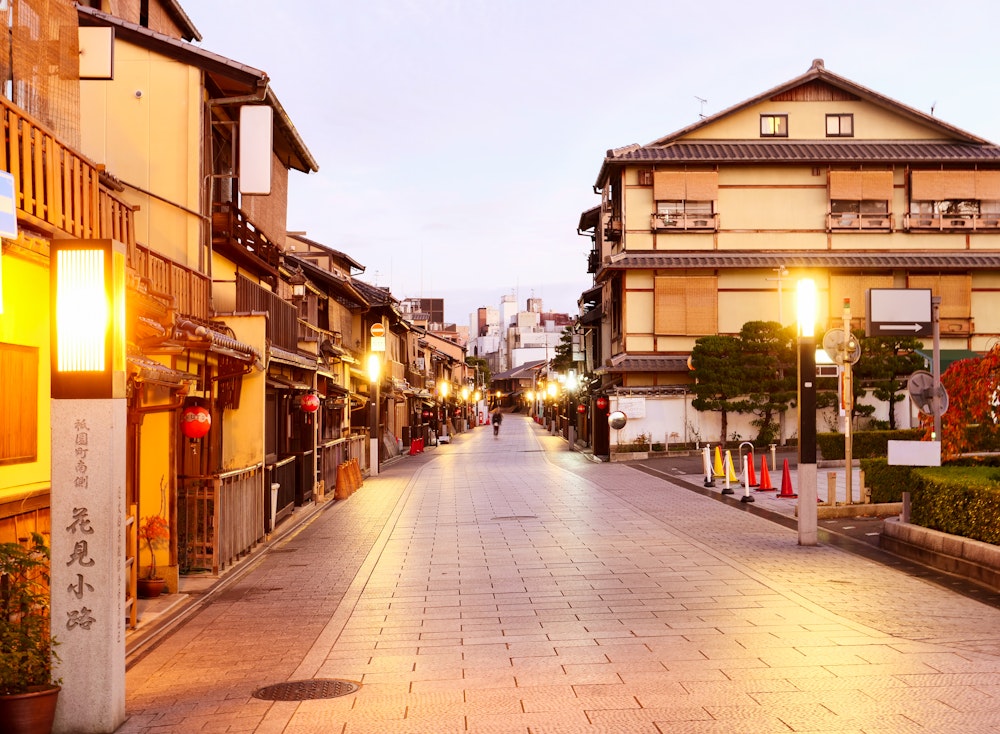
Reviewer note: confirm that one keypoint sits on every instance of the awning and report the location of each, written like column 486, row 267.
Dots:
column 286, row 383
column 947, row 356
column 283, row 356
column 193, row 335
column 149, row 370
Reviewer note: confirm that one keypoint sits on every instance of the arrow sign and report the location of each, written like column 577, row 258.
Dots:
column 898, row 311
column 900, row 327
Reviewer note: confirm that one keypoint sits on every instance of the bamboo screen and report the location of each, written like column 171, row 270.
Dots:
column 941, row 185
column 955, row 292
column 685, row 185
column 856, row 288
column 861, row 185
column 39, row 61
column 685, row 305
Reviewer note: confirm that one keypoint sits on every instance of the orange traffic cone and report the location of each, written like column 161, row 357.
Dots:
column 786, row 483
column 717, row 470
column 765, row 477
column 751, row 477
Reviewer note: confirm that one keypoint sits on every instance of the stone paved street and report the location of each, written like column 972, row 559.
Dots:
column 510, row 586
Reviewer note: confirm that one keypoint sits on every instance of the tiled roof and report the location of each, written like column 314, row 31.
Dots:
column 645, row 363
column 808, row 151
column 824, row 259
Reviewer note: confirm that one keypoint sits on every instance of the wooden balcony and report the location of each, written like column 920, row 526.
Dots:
column 178, row 287
column 953, row 222
column 684, row 222
column 236, row 237
column 57, row 190
column 865, row 222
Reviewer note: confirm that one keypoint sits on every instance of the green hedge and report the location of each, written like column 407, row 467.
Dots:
column 864, row 444
column 887, row 483
column 961, row 501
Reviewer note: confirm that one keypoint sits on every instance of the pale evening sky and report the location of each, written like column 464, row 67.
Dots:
column 458, row 140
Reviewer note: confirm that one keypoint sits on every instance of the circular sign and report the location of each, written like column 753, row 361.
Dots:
column 377, row 329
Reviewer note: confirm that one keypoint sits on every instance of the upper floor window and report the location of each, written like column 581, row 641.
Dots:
column 685, row 199
column 860, row 200
column 954, row 200
column 774, row 126
column 840, row 126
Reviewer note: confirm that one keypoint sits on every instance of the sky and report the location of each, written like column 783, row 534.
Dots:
column 458, row 141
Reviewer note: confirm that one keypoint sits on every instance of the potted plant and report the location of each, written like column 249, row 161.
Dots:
column 153, row 532
column 28, row 691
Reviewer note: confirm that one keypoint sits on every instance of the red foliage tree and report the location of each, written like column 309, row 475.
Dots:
column 971, row 421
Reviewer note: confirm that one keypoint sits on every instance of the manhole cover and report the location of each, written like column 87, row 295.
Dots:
column 307, row 690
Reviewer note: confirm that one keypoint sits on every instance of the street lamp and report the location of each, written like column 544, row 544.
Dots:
column 807, row 412
column 375, row 375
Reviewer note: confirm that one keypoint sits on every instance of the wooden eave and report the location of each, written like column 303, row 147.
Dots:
column 231, row 78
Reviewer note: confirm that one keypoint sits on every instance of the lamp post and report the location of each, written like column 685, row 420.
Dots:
column 807, row 412
column 375, row 375
column 89, row 424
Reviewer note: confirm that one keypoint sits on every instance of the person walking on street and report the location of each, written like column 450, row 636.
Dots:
column 497, row 420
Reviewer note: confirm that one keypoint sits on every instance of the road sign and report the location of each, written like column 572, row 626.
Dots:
column 898, row 312
column 921, row 389
column 377, row 329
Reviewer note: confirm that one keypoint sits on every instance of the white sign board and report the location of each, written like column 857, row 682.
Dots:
column 914, row 453
column 378, row 344
column 632, row 407
column 899, row 312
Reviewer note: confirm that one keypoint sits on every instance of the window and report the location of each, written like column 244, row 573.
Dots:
column 18, row 404
column 840, row 126
column 774, row 126
column 685, row 199
column 686, row 305
column 954, row 199
column 860, row 199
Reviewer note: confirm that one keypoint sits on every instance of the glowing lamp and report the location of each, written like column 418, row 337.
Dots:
column 309, row 402
column 581, row 409
column 602, row 403
column 195, row 421
column 88, row 319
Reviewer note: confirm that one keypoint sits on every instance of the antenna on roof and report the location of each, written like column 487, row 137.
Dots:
column 701, row 111
column 933, row 105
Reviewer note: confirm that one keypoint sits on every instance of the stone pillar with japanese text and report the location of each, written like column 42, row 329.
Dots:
column 88, row 552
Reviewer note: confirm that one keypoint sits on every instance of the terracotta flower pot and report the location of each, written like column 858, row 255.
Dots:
column 31, row 712
column 150, row 588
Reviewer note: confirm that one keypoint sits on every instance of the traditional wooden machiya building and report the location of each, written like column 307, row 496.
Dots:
column 710, row 227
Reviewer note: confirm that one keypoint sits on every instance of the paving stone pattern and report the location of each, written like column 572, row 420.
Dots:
column 508, row 586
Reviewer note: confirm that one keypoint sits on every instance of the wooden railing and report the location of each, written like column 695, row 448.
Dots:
column 234, row 235
column 953, row 222
column 187, row 290
column 56, row 187
column 219, row 518
column 283, row 318
column 862, row 221
column 684, row 222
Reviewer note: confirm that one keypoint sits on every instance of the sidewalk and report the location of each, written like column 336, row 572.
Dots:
column 508, row 585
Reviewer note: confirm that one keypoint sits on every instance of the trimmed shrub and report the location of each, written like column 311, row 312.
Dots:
column 864, row 444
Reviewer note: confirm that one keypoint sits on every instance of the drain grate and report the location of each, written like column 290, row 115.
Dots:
column 307, row 690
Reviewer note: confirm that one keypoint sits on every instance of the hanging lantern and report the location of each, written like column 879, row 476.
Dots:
column 195, row 421
column 425, row 414
column 602, row 403
column 458, row 411
column 309, row 402
column 581, row 409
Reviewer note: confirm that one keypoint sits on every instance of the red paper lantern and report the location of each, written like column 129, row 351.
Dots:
column 581, row 408
column 602, row 403
column 309, row 403
column 195, row 421
column 458, row 411
column 425, row 414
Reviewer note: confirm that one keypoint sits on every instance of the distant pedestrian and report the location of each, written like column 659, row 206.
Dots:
column 497, row 419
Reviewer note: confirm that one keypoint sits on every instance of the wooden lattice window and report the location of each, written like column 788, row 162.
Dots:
column 686, row 305
column 18, row 404
column 854, row 286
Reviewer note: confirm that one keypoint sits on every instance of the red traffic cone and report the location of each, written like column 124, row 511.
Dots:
column 765, row 477
column 751, row 477
column 786, row 483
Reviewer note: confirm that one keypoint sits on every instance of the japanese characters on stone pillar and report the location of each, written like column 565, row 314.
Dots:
column 88, row 483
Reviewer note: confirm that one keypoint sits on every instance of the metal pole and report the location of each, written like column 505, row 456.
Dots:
column 808, row 518
column 936, row 365
column 848, row 388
